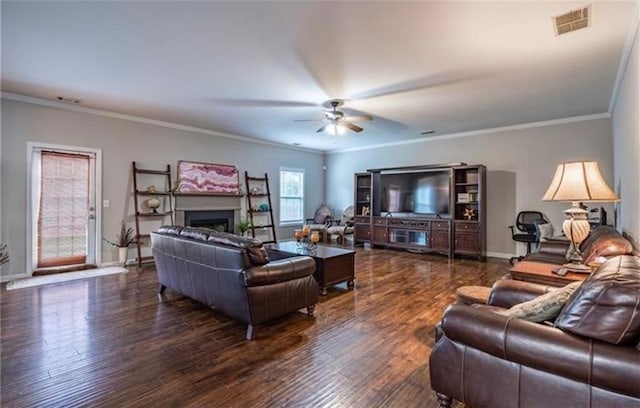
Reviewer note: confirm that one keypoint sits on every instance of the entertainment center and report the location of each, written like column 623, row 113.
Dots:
column 434, row 208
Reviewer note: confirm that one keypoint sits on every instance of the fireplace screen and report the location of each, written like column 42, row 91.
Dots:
column 221, row 221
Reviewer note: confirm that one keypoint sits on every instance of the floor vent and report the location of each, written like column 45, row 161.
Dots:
column 572, row 21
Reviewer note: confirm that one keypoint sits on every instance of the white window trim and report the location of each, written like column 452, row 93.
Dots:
column 31, row 233
column 290, row 223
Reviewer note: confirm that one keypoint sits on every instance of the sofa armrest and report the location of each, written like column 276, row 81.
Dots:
column 279, row 271
column 545, row 348
column 508, row 292
column 554, row 247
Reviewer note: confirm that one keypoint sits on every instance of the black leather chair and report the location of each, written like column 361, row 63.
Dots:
column 527, row 230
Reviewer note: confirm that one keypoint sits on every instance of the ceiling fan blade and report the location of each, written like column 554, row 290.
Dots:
column 262, row 103
column 360, row 118
column 308, row 120
column 416, row 84
column 351, row 126
column 324, row 128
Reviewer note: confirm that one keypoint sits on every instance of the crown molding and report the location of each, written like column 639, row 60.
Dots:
column 624, row 58
column 147, row 121
column 522, row 126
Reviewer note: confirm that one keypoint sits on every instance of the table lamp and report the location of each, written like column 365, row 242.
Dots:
column 578, row 182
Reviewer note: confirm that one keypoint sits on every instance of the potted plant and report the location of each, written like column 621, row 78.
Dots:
column 122, row 242
column 4, row 254
column 243, row 226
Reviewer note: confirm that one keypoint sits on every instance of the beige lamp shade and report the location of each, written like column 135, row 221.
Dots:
column 579, row 181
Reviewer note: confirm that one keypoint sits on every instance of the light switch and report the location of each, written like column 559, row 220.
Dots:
column 106, row 203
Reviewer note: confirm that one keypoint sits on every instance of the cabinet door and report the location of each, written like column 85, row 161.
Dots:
column 440, row 240
column 467, row 242
column 379, row 235
column 363, row 232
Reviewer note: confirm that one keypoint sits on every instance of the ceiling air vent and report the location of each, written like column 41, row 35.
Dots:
column 68, row 100
column 573, row 20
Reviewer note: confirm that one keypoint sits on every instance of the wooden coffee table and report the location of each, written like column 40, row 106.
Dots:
column 333, row 265
column 542, row 273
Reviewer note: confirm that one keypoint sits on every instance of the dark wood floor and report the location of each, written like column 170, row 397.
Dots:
column 111, row 341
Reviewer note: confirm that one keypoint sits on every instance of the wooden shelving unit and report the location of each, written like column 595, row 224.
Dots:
column 469, row 214
column 162, row 178
column 259, row 196
column 362, row 206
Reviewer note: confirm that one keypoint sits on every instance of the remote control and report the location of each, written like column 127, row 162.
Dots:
column 561, row 271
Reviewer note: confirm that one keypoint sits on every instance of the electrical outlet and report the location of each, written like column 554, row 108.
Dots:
column 106, row 203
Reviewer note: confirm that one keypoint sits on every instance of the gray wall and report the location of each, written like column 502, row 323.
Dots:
column 626, row 136
column 122, row 142
column 520, row 165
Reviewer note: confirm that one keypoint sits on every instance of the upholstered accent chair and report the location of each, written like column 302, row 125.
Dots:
column 342, row 227
column 321, row 219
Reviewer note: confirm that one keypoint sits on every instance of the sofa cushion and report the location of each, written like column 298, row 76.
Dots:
column 170, row 229
column 607, row 305
column 257, row 254
column 544, row 307
column 607, row 246
column 201, row 234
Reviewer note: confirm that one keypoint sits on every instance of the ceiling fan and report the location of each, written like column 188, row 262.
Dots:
column 338, row 121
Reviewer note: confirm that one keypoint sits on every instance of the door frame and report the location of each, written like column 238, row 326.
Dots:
column 31, row 233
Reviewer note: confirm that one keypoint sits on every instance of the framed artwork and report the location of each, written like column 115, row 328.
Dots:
column 207, row 178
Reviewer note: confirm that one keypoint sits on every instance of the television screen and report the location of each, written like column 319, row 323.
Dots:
column 422, row 193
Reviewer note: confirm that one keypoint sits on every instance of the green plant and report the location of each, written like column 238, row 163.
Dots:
column 244, row 225
column 124, row 239
column 4, row 254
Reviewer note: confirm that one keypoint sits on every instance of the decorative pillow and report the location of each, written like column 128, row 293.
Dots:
column 607, row 305
column 544, row 307
column 546, row 230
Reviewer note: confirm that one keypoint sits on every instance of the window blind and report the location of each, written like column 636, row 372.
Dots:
column 63, row 209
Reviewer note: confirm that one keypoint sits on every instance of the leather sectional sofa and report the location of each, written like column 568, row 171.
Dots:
column 604, row 241
column 233, row 274
column 588, row 357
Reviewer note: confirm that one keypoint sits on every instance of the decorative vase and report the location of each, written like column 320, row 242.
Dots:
column 153, row 203
column 122, row 255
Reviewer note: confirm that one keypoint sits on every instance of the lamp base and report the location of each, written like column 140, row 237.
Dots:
column 576, row 267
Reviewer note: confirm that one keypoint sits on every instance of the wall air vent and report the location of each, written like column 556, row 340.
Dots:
column 572, row 21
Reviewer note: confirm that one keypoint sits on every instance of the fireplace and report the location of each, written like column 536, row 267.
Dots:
column 219, row 220
column 217, row 211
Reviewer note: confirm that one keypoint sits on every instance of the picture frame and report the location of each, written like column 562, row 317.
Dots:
column 463, row 197
column 207, row 178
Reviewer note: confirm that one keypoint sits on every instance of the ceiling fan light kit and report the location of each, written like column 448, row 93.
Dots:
column 338, row 122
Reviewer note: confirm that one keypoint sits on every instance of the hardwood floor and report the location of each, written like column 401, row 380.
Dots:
column 112, row 341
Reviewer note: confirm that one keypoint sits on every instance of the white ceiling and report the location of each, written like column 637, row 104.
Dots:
column 252, row 68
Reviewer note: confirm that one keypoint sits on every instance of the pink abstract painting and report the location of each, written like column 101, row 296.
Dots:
column 194, row 177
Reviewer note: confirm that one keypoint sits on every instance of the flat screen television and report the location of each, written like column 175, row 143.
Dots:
column 417, row 193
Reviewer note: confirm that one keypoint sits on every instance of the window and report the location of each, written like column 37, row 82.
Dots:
column 291, row 195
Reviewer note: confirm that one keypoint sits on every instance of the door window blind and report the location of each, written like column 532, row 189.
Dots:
column 63, row 209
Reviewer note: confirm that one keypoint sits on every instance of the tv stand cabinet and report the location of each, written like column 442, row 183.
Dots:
column 412, row 233
column 463, row 234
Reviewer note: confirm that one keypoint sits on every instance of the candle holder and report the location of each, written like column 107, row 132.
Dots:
column 306, row 238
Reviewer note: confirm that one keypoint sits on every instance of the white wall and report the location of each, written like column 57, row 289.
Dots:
column 531, row 154
column 626, row 141
column 122, row 142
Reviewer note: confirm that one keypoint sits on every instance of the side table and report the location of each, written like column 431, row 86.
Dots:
column 542, row 273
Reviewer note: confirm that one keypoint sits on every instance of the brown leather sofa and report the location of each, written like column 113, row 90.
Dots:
column 233, row 274
column 603, row 241
column 589, row 357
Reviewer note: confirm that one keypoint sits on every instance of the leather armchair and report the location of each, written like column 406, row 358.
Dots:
column 486, row 359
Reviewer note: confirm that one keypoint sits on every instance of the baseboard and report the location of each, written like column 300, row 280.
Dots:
column 500, row 255
column 12, row 277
